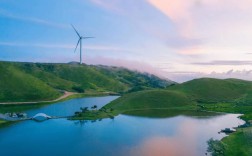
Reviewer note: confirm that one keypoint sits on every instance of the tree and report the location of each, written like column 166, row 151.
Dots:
column 216, row 147
column 84, row 109
column 94, row 107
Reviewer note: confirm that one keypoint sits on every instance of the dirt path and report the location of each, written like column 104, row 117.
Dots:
column 66, row 94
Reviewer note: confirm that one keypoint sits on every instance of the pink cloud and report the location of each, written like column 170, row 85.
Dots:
column 186, row 76
column 133, row 65
column 213, row 20
column 179, row 12
column 184, row 13
column 142, row 14
column 184, row 142
column 112, row 5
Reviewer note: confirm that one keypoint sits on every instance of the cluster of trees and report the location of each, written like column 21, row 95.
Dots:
column 85, row 109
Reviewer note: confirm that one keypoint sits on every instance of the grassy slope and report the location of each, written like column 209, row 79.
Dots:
column 39, row 71
column 88, row 77
column 16, row 86
column 209, row 90
column 151, row 99
column 100, row 78
column 152, row 103
column 162, row 101
column 239, row 143
column 201, row 94
column 134, row 80
column 66, row 76
column 204, row 91
column 39, row 81
column 2, row 122
column 230, row 95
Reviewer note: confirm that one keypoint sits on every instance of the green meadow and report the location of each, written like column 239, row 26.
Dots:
column 195, row 98
column 142, row 94
column 26, row 82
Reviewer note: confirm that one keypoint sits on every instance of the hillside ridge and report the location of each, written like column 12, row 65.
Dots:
column 24, row 81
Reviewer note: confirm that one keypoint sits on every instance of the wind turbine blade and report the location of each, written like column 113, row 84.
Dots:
column 87, row 37
column 76, row 31
column 77, row 45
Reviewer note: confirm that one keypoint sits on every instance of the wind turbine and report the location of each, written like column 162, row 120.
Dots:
column 80, row 42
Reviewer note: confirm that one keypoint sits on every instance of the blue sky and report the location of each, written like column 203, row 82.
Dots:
column 179, row 40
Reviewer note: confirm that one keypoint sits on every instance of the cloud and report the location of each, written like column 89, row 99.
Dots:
column 183, row 76
column 224, row 63
column 67, row 46
column 133, row 65
column 39, row 45
column 183, row 42
column 214, row 22
column 32, row 19
column 182, row 142
column 148, row 19
column 179, row 12
column 238, row 74
column 186, row 13
column 111, row 5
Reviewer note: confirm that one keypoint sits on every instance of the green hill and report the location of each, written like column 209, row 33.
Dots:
column 134, row 80
column 152, row 99
column 43, row 81
column 70, row 77
column 209, row 90
column 188, row 96
column 194, row 98
column 151, row 103
column 16, row 85
column 204, row 90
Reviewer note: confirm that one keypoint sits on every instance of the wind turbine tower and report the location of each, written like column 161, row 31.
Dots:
column 80, row 42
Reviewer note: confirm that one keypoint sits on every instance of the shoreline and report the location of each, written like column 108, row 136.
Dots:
column 60, row 99
column 66, row 96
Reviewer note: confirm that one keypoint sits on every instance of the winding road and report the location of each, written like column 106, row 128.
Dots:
column 66, row 94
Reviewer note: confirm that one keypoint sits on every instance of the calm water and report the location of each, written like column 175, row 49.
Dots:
column 125, row 135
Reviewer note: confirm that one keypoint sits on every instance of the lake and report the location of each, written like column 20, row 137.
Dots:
column 123, row 136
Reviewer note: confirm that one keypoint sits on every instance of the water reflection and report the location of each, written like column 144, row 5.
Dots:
column 189, row 138
column 125, row 135
column 183, row 142
column 162, row 146
column 81, row 122
column 68, row 108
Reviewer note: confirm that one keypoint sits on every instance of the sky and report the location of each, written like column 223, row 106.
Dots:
column 179, row 40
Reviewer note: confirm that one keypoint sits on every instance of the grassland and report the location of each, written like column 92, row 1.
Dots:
column 209, row 90
column 193, row 97
column 239, row 143
column 16, row 86
column 149, row 100
column 143, row 94
column 230, row 95
column 2, row 121
column 25, row 82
